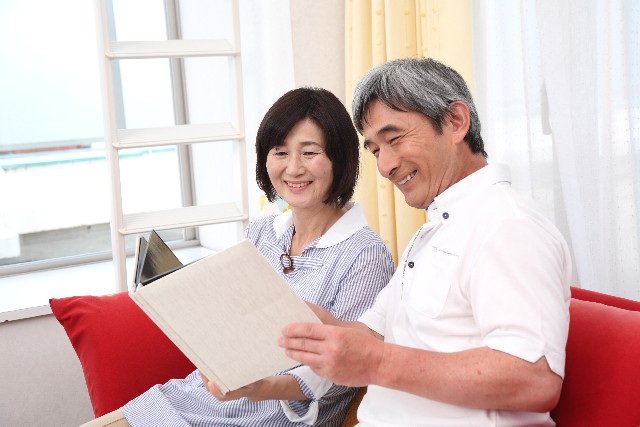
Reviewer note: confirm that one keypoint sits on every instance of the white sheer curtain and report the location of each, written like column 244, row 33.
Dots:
column 267, row 65
column 558, row 89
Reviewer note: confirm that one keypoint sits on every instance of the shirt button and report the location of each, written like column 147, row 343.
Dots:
column 411, row 264
column 445, row 215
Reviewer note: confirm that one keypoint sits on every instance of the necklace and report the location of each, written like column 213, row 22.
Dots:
column 286, row 262
column 285, row 259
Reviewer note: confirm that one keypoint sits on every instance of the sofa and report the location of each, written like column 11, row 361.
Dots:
column 122, row 354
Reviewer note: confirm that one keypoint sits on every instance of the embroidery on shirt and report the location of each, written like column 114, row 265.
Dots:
column 435, row 248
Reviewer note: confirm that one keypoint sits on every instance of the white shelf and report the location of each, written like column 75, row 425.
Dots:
column 182, row 217
column 179, row 135
column 170, row 49
column 174, row 135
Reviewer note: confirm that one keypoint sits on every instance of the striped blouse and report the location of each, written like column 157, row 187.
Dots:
column 342, row 271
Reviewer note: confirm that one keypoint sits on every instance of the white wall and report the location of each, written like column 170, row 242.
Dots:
column 318, row 44
column 42, row 382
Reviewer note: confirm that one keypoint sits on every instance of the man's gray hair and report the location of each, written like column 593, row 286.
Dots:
column 423, row 85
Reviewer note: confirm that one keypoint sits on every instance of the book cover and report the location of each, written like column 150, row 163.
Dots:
column 153, row 259
column 226, row 312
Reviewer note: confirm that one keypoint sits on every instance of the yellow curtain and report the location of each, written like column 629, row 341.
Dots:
column 378, row 31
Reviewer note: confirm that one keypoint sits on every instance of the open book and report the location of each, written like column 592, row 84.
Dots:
column 225, row 312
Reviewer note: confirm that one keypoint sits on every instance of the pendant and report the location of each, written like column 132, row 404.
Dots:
column 286, row 262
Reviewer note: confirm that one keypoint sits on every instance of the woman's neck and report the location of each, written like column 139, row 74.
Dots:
column 309, row 225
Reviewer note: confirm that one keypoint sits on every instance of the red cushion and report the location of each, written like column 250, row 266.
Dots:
column 612, row 300
column 602, row 373
column 121, row 351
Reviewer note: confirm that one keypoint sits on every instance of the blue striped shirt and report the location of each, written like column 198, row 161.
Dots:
column 342, row 271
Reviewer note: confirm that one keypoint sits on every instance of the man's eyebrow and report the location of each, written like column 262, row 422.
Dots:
column 382, row 130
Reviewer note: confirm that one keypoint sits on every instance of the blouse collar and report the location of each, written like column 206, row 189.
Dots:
column 346, row 226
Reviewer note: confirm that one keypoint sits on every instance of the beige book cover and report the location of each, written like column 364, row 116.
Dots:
column 226, row 312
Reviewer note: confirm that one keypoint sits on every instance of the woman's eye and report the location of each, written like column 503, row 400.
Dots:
column 309, row 154
column 279, row 154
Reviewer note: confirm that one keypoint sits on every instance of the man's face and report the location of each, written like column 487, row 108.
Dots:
column 410, row 152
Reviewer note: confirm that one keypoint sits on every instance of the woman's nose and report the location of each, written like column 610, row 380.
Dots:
column 294, row 164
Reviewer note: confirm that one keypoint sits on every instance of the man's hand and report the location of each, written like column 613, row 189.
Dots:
column 346, row 356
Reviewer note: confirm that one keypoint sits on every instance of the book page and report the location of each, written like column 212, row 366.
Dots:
column 140, row 253
column 226, row 312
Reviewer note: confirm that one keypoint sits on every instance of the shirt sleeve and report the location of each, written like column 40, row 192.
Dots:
column 368, row 274
column 521, row 305
column 375, row 317
column 313, row 387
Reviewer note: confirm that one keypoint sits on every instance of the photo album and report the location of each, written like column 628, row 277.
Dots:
column 225, row 311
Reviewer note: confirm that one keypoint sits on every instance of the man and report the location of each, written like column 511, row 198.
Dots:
column 471, row 329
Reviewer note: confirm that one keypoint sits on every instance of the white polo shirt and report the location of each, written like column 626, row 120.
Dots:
column 487, row 269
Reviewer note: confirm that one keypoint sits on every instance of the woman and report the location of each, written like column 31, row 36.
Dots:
column 307, row 153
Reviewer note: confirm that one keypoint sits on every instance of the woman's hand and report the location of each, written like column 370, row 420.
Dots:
column 282, row 387
column 248, row 391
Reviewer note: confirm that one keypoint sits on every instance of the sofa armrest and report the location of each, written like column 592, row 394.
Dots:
column 602, row 374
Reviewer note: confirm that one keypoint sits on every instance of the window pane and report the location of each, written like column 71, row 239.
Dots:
column 138, row 20
column 49, row 78
column 150, row 179
column 147, row 97
column 54, row 184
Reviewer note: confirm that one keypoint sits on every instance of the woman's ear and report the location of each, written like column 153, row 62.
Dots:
column 457, row 120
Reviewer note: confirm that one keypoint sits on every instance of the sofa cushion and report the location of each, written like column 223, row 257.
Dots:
column 122, row 352
column 612, row 300
column 602, row 374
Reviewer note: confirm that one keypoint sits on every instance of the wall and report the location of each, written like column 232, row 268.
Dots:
column 318, row 44
column 42, row 382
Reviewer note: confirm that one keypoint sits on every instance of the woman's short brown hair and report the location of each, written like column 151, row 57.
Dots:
column 341, row 138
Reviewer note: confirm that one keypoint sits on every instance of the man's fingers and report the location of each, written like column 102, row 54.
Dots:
column 306, row 330
column 306, row 345
column 309, row 359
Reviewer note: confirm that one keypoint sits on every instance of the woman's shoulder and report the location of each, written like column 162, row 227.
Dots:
column 260, row 225
column 365, row 239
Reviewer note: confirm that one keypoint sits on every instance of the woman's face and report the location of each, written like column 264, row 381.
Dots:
column 299, row 169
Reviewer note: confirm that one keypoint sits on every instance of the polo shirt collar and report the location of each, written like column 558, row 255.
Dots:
column 445, row 202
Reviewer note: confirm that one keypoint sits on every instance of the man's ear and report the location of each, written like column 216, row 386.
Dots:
column 457, row 120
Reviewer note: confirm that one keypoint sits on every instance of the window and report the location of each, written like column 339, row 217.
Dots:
column 76, row 208
column 53, row 177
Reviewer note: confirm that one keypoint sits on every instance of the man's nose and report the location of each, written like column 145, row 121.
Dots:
column 387, row 162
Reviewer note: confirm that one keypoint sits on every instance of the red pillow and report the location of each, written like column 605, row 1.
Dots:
column 122, row 352
column 612, row 300
column 602, row 373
